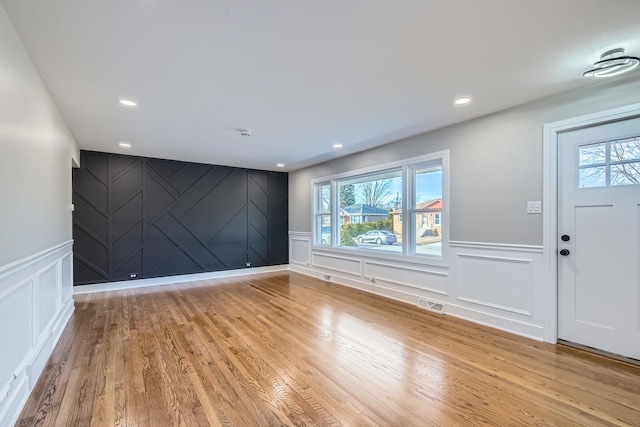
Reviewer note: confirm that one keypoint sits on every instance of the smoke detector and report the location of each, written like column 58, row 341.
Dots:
column 612, row 63
column 245, row 132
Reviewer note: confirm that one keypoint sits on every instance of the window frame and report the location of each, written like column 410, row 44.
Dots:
column 408, row 168
column 319, row 215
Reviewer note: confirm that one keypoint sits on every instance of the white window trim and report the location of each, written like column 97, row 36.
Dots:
column 317, row 239
column 408, row 193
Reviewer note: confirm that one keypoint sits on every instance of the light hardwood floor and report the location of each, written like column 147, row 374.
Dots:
column 285, row 349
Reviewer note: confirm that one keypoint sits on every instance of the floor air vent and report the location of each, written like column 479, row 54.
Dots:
column 431, row 305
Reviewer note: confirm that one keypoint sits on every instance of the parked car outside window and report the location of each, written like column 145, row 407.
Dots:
column 378, row 236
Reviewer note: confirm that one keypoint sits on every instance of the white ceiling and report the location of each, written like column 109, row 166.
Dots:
column 303, row 75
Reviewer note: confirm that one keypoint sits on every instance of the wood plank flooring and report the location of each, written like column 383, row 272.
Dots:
column 283, row 349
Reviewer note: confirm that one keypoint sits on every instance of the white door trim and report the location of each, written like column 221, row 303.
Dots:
column 550, row 201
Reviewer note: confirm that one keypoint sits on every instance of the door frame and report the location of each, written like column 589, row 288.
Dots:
column 550, row 201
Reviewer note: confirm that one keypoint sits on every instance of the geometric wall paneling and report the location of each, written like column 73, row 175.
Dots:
column 92, row 219
column 153, row 217
column 91, row 252
column 188, row 243
column 278, row 218
column 229, row 244
column 124, row 182
column 92, row 180
column 131, row 263
column 259, row 218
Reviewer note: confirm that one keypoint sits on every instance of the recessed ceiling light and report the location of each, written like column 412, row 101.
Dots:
column 462, row 101
column 280, row 165
column 124, row 145
column 612, row 63
column 337, row 145
column 127, row 102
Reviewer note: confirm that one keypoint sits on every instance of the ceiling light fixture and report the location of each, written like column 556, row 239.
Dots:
column 462, row 101
column 612, row 63
column 337, row 145
column 280, row 165
column 128, row 102
column 124, row 145
column 245, row 132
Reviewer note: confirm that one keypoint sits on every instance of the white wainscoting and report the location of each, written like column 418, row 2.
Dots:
column 497, row 285
column 35, row 305
column 300, row 251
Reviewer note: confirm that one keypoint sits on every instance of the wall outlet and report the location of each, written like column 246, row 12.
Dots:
column 133, row 275
column 248, row 264
column 326, row 277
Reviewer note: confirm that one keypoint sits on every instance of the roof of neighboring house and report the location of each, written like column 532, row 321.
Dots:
column 434, row 205
column 360, row 209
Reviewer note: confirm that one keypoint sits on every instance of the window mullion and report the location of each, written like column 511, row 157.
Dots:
column 408, row 223
column 607, row 169
column 335, row 213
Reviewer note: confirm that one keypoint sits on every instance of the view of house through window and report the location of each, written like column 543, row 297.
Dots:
column 368, row 212
column 364, row 208
column 428, row 209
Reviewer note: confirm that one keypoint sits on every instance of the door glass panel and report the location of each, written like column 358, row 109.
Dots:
column 610, row 163
column 592, row 177
column 625, row 150
column 625, row 174
column 593, row 154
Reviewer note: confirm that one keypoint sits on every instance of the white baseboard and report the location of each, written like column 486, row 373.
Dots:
column 36, row 304
column 168, row 280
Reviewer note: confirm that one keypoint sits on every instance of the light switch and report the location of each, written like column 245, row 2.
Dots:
column 534, row 207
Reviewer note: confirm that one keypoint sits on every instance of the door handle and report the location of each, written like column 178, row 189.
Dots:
column 564, row 252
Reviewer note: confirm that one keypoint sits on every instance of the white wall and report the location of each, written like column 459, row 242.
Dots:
column 494, row 269
column 36, row 149
column 36, row 152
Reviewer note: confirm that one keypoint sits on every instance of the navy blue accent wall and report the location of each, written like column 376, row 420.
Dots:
column 150, row 217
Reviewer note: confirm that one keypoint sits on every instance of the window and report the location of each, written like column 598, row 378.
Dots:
column 610, row 163
column 365, row 204
column 396, row 208
column 427, row 208
column 323, row 214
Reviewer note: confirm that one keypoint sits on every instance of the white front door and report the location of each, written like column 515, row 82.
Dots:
column 599, row 237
